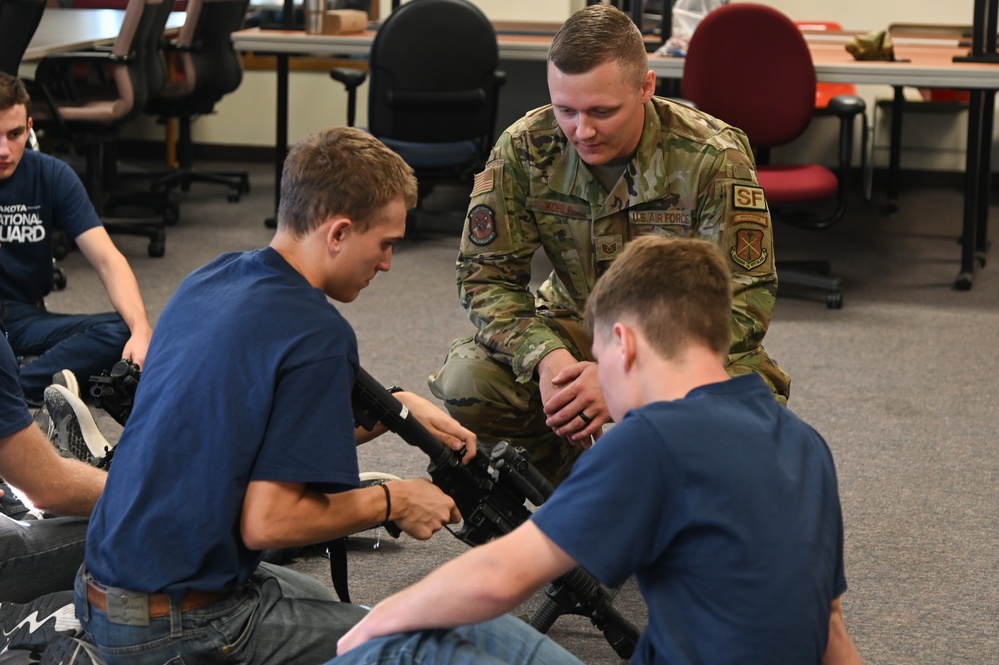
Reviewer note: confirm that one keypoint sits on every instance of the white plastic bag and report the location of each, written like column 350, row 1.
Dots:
column 687, row 14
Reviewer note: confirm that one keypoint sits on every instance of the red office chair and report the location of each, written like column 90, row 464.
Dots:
column 749, row 65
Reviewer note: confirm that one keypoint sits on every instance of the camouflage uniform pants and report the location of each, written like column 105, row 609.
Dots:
column 483, row 394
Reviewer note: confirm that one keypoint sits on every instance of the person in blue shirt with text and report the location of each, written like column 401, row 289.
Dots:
column 38, row 195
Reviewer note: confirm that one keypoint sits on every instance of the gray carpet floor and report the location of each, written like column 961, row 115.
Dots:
column 901, row 382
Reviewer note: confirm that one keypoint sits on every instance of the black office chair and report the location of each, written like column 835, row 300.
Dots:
column 18, row 21
column 770, row 96
column 80, row 100
column 207, row 68
column 434, row 88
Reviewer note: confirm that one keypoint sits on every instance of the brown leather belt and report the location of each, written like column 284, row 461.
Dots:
column 159, row 603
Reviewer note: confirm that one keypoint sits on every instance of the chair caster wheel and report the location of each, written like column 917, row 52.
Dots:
column 58, row 279
column 834, row 301
column 157, row 246
column 233, row 196
column 171, row 213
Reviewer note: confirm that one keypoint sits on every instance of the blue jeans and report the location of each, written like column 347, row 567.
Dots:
column 502, row 640
column 84, row 343
column 279, row 616
column 39, row 556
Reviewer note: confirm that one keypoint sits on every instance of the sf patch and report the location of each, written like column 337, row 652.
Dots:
column 748, row 197
column 481, row 225
column 749, row 251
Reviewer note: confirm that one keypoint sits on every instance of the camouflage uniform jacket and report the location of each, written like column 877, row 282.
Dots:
column 691, row 175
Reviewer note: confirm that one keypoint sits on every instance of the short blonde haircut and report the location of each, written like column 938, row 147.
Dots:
column 341, row 171
column 597, row 34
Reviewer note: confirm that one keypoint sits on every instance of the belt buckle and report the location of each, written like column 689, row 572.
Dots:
column 127, row 608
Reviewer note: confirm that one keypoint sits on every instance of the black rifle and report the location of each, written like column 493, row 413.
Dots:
column 114, row 391
column 491, row 496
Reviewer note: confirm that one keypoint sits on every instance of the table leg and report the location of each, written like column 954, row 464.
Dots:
column 895, row 149
column 985, row 177
column 281, row 136
column 975, row 159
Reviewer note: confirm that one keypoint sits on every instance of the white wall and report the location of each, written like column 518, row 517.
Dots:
column 876, row 14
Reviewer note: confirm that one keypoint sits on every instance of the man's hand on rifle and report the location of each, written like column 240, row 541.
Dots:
column 420, row 508
column 440, row 424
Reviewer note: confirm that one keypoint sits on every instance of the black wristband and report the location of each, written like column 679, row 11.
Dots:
column 388, row 502
column 395, row 389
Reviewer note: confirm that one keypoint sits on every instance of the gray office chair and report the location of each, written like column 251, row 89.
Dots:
column 208, row 68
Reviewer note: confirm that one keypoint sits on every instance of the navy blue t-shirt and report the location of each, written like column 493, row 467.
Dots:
column 43, row 194
column 725, row 506
column 14, row 414
column 248, row 377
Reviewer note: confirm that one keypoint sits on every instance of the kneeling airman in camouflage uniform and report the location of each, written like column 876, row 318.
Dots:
column 605, row 163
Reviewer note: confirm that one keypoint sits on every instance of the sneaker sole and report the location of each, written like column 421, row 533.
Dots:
column 35, row 624
column 79, row 444
column 66, row 650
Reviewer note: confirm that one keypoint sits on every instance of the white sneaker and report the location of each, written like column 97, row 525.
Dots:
column 67, row 379
column 76, row 431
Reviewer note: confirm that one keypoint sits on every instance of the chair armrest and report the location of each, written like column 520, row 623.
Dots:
column 187, row 47
column 846, row 108
column 59, row 73
column 350, row 78
column 72, row 58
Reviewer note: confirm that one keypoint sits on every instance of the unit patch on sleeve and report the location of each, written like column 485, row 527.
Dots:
column 749, row 251
column 748, row 197
column 481, row 225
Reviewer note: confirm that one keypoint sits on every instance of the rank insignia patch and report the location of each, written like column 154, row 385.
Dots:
column 608, row 246
column 748, row 251
column 481, row 225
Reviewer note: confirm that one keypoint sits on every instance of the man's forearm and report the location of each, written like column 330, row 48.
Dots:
column 840, row 649
column 481, row 584
column 123, row 291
